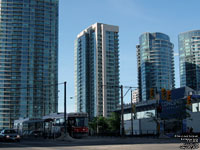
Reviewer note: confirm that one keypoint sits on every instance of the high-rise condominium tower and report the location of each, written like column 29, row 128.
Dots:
column 97, row 70
column 28, row 59
column 156, row 64
column 189, row 56
column 135, row 96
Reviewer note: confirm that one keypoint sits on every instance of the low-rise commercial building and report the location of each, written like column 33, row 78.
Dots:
column 168, row 115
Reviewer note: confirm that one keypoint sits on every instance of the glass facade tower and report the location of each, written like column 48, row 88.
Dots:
column 97, row 70
column 156, row 64
column 189, row 57
column 28, row 59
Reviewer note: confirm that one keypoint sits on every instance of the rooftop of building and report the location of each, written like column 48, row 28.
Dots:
column 110, row 27
column 189, row 31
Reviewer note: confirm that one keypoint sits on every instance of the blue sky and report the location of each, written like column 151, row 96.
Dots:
column 133, row 17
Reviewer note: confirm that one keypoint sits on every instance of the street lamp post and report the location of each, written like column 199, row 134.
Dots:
column 122, row 110
column 131, row 114
column 65, row 111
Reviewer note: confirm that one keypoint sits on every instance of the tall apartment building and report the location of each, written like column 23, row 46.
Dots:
column 97, row 70
column 28, row 59
column 135, row 96
column 156, row 63
column 189, row 57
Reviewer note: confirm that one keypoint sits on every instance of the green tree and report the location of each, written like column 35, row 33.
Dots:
column 114, row 123
column 99, row 125
column 102, row 125
column 93, row 124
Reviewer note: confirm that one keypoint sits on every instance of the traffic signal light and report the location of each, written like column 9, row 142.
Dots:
column 189, row 100
column 168, row 95
column 159, row 109
column 152, row 94
column 163, row 94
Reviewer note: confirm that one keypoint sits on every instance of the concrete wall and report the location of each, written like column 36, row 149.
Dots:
column 140, row 126
column 148, row 126
column 127, row 127
column 195, row 122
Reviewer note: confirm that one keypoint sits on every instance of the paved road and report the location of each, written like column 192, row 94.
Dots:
column 94, row 144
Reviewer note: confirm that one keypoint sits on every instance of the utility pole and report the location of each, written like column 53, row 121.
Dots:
column 65, row 111
column 122, row 111
column 131, row 114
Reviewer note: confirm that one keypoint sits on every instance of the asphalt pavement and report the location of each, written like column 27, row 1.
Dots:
column 94, row 143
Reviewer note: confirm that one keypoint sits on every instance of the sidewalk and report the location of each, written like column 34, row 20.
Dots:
column 110, row 140
column 133, row 140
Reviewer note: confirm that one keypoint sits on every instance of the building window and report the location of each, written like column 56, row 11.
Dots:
column 196, row 107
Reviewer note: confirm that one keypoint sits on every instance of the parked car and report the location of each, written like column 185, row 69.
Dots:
column 9, row 135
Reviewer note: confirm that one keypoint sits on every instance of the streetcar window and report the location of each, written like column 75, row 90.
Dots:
column 72, row 121
column 78, row 121
column 81, row 122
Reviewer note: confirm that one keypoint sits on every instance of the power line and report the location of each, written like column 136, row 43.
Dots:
column 114, row 86
column 129, row 88
column 126, row 92
column 132, row 87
